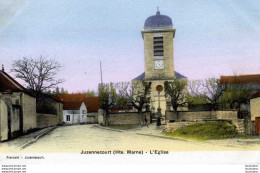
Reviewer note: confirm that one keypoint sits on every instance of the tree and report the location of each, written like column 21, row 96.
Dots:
column 39, row 74
column 107, row 98
column 209, row 90
column 57, row 90
column 236, row 93
column 90, row 93
column 136, row 94
column 177, row 93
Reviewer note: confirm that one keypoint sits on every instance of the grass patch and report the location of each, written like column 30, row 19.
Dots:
column 206, row 131
column 121, row 127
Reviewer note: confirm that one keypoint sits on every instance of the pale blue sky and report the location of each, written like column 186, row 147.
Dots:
column 212, row 37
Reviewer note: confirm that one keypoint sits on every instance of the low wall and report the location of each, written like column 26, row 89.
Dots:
column 92, row 118
column 239, row 123
column 226, row 115
column 125, row 118
column 47, row 120
column 194, row 116
column 169, row 127
column 201, row 115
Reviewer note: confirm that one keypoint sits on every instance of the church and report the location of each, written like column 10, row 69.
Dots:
column 158, row 34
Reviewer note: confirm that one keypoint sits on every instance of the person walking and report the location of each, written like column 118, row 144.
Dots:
column 146, row 123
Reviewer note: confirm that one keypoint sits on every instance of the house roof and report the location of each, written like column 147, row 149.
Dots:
column 9, row 84
column 240, row 79
column 74, row 101
column 142, row 76
column 255, row 94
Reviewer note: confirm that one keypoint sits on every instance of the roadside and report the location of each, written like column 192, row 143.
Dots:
column 25, row 140
column 153, row 131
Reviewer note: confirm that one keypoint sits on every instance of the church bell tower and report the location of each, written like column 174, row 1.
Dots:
column 158, row 34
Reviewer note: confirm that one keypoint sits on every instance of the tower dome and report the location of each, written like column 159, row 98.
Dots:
column 158, row 21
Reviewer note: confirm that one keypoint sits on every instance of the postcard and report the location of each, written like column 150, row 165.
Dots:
column 155, row 84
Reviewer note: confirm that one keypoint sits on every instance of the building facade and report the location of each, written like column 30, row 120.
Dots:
column 158, row 35
column 75, row 116
column 255, row 111
column 17, row 108
column 78, row 109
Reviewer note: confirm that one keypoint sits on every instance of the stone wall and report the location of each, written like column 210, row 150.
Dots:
column 47, row 120
column 29, row 112
column 3, row 121
column 239, row 123
column 124, row 118
column 92, row 118
column 194, row 116
column 201, row 115
column 184, row 118
column 169, row 127
column 225, row 115
column 21, row 108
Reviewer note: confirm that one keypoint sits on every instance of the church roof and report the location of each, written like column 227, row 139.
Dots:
column 176, row 74
column 158, row 21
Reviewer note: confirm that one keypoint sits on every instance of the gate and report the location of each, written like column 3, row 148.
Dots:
column 257, row 125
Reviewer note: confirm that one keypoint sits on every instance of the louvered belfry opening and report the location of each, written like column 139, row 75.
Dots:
column 158, row 46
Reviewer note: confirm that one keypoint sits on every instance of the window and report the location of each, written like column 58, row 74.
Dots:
column 84, row 112
column 158, row 46
column 68, row 118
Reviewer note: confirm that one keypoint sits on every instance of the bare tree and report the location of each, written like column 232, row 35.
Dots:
column 176, row 91
column 213, row 91
column 137, row 95
column 209, row 89
column 39, row 74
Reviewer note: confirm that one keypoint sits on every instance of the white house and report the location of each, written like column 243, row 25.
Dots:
column 74, row 108
column 77, row 108
column 75, row 116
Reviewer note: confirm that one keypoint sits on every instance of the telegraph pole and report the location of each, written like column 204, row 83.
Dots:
column 101, row 73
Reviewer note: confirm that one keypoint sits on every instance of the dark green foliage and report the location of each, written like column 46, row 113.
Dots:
column 176, row 92
column 236, row 94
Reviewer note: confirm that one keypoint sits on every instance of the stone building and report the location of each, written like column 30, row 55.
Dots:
column 158, row 35
column 17, row 108
column 19, row 112
column 250, row 79
column 255, row 110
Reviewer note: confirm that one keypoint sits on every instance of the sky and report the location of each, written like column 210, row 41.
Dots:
column 212, row 38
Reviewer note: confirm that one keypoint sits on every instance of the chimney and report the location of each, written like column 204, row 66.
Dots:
column 3, row 68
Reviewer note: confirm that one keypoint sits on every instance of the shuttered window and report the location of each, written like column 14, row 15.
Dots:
column 158, row 46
